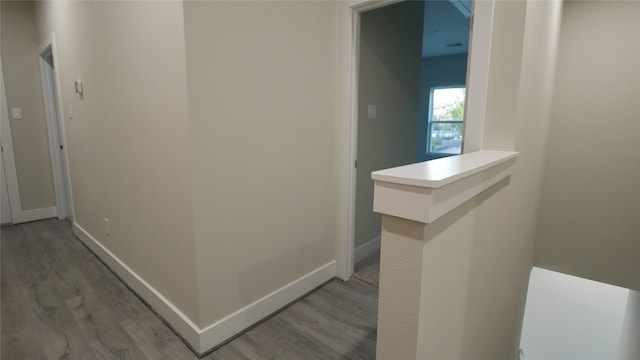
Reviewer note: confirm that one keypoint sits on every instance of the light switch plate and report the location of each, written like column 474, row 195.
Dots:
column 78, row 86
column 16, row 113
column 371, row 112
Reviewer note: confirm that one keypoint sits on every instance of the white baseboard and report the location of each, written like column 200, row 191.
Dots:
column 36, row 214
column 161, row 305
column 363, row 251
column 203, row 340
column 233, row 324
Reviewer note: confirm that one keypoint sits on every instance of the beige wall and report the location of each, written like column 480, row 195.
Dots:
column 505, row 225
column 19, row 46
column 243, row 168
column 261, row 83
column 474, row 310
column 217, row 169
column 589, row 218
column 128, row 141
column 389, row 78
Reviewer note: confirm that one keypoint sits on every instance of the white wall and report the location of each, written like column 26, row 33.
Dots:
column 629, row 344
column 567, row 317
column 389, row 77
column 22, row 83
column 589, row 217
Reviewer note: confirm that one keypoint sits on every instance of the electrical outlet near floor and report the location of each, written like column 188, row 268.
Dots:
column 107, row 227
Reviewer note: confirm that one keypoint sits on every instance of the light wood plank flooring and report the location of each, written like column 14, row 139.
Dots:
column 58, row 301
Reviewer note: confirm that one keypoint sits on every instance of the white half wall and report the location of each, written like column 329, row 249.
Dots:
column 629, row 344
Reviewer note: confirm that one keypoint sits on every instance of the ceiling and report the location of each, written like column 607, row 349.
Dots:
column 446, row 29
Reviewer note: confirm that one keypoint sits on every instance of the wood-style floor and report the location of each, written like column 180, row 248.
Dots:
column 58, row 301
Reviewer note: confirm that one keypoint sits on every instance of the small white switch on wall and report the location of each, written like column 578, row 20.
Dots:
column 78, row 85
column 17, row 113
column 371, row 112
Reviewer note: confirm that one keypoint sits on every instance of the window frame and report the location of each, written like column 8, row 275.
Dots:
column 436, row 155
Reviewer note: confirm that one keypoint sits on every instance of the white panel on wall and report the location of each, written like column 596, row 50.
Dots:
column 571, row 318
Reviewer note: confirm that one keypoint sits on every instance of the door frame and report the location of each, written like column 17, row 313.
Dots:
column 5, row 211
column 477, row 83
column 52, row 97
column 10, row 173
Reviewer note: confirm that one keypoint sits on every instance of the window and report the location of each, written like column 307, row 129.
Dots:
column 446, row 114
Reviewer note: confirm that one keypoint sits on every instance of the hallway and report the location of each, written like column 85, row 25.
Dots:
column 59, row 301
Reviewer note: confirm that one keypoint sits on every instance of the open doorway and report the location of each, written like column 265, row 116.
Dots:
column 348, row 93
column 406, row 50
column 55, row 128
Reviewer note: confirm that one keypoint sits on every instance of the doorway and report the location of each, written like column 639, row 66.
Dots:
column 5, row 211
column 388, row 110
column 55, row 128
column 394, row 82
column 477, row 82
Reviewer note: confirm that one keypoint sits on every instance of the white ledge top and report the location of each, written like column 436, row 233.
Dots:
column 440, row 172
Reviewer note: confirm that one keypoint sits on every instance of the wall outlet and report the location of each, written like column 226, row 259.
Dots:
column 16, row 113
column 107, row 227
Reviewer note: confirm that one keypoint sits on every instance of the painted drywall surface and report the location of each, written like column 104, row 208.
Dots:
column 389, row 78
column 22, row 81
column 128, row 140
column 401, row 256
column 490, row 239
column 517, row 118
column 589, row 218
column 446, row 70
column 629, row 344
column 567, row 317
column 261, row 83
